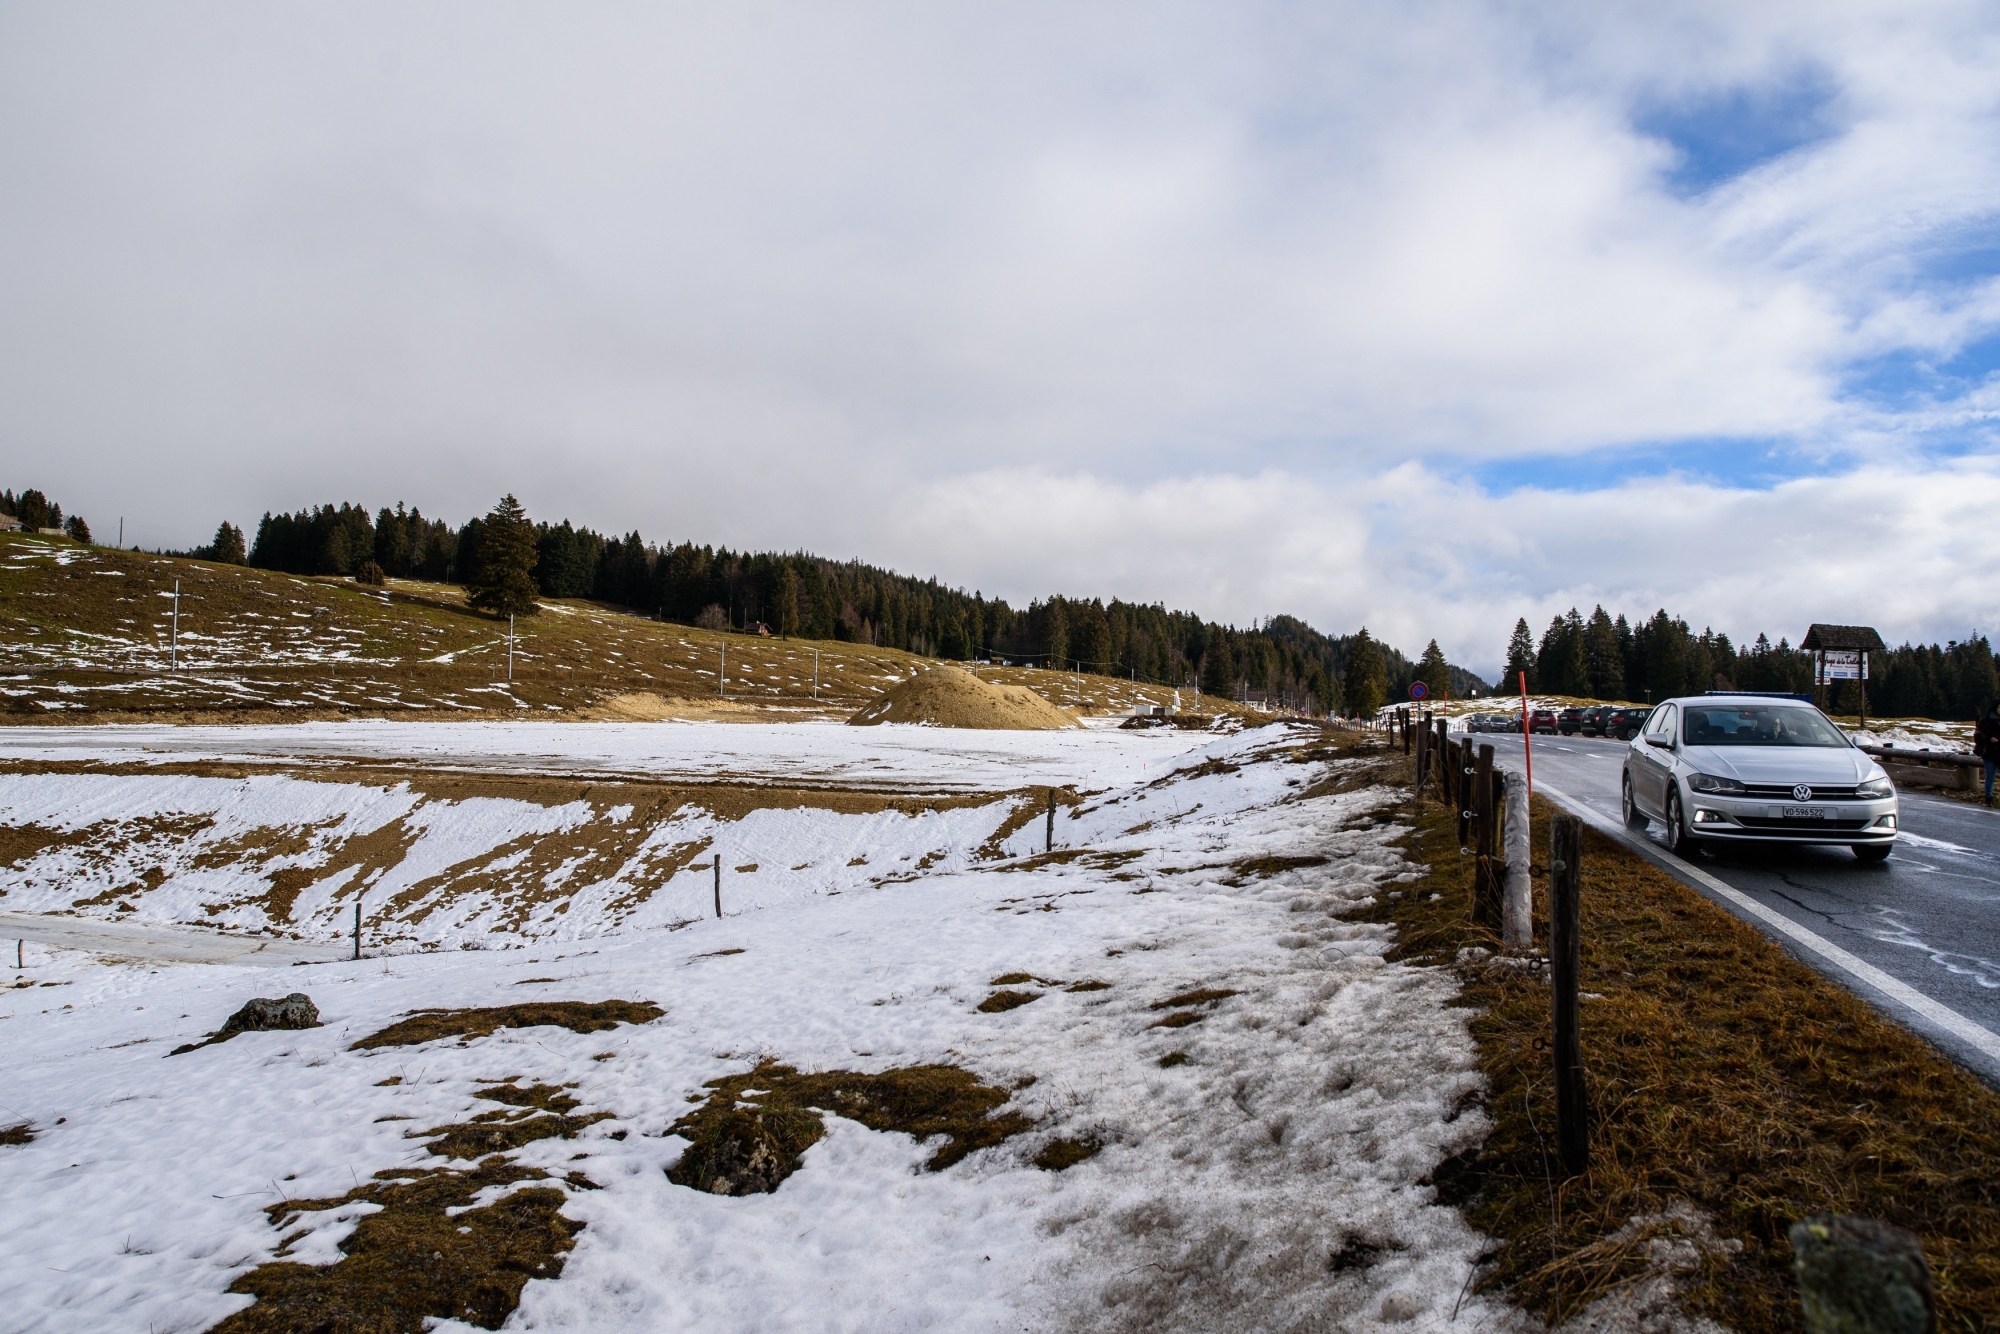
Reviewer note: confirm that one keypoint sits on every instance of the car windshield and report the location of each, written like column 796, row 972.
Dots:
column 1757, row 725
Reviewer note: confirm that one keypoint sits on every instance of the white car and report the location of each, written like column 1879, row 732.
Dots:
column 1724, row 768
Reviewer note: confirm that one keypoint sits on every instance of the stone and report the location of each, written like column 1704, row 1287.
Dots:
column 262, row 1015
column 1862, row 1276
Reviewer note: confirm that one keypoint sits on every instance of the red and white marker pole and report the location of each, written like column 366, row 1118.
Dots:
column 1527, row 735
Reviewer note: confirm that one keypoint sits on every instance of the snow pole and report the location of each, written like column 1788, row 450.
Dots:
column 1049, row 839
column 1527, row 735
column 357, row 928
column 717, row 864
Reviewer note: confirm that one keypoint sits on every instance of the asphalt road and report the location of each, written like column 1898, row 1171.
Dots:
column 1928, row 918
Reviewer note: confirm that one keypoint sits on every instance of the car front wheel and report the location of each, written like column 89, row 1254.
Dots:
column 1679, row 841
column 1872, row 852
column 1634, row 817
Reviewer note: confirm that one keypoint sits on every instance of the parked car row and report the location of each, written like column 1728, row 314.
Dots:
column 1605, row 720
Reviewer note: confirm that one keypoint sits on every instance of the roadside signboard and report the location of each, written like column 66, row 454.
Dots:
column 1418, row 690
column 1843, row 665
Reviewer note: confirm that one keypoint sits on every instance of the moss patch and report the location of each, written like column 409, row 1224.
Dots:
column 412, row 1261
column 532, row 1112
column 747, row 1136
column 576, row 1016
column 1001, row 1001
column 1721, row 1072
column 1059, row 1154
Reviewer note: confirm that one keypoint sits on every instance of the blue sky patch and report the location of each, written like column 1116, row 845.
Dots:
column 1729, row 461
column 1726, row 133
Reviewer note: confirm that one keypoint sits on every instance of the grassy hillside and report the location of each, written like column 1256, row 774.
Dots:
column 85, row 631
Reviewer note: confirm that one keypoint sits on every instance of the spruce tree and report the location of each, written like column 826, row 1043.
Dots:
column 78, row 529
column 228, row 544
column 1367, row 684
column 788, row 602
column 1434, row 671
column 1218, row 668
column 504, row 582
column 1520, row 658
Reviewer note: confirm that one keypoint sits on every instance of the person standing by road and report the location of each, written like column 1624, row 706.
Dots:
column 1986, row 742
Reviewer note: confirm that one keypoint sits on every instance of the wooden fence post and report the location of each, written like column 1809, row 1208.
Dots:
column 1565, row 964
column 1049, row 839
column 1423, row 746
column 1485, row 886
column 718, row 883
column 1462, row 784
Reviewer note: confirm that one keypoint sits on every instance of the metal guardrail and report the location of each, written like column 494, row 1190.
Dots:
column 1949, row 758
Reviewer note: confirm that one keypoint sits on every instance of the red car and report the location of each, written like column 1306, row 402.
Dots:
column 1542, row 720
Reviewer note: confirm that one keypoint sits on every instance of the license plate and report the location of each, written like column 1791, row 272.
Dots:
column 1806, row 813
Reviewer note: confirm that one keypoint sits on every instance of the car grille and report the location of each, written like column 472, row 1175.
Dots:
column 1764, row 822
column 1783, row 792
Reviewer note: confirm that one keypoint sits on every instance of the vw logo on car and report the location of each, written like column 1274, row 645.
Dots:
column 1748, row 768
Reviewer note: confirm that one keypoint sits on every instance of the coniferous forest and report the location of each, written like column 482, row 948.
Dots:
column 1282, row 660
column 1611, row 658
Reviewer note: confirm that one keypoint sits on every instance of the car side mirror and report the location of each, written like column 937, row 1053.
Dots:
column 1663, row 742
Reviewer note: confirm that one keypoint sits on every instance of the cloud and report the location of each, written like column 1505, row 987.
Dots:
column 874, row 278
column 1416, row 556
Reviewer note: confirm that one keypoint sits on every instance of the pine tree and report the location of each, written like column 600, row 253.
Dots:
column 78, row 529
column 1434, row 671
column 33, row 510
column 788, row 602
column 1218, row 667
column 228, row 544
column 1605, row 657
column 504, row 582
column 1367, row 684
column 1520, row 658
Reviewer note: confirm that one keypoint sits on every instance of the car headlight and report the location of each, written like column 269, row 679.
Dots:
column 1876, row 789
column 1722, row 787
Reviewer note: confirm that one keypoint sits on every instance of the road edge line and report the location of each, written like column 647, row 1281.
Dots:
column 1946, row 1018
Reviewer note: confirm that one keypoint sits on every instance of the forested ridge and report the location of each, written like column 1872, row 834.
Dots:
column 1283, row 660
column 1610, row 658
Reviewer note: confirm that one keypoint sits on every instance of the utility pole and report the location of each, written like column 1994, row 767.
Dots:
column 510, row 646
column 174, row 643
column 722, row 673
column 815, row 673
column 121, row 532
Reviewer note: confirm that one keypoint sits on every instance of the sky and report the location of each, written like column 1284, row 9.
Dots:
column 1423, row 316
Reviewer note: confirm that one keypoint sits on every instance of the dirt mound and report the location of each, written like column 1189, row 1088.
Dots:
column 643, row 706
column 951, row 697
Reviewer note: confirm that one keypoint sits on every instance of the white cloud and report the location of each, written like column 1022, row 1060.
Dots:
column 1416, row 556
column 855, row 278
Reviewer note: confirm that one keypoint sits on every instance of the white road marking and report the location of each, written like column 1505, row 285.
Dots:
column 1950, row 1020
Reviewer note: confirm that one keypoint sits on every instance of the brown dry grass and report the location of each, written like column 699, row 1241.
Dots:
column 576, row 1016
column 1722, row 1072
column 925, row 1101
column 415, row 1260
column 1002, row 1001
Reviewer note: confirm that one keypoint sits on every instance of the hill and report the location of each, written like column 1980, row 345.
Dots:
column 88, row 632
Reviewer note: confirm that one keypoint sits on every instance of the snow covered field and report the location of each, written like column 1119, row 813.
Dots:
column 1267, row 1181
column 896, row 758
